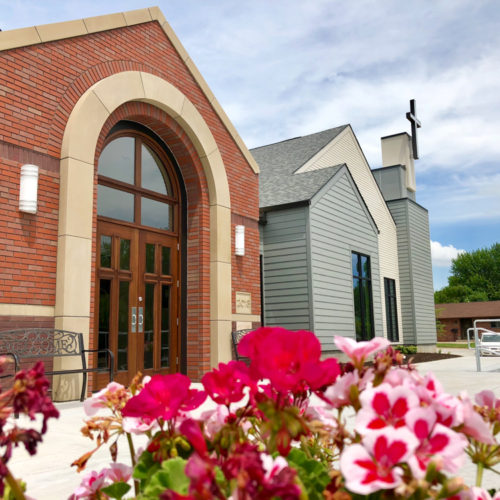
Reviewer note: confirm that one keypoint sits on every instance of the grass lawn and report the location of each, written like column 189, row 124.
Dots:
column 453, row 345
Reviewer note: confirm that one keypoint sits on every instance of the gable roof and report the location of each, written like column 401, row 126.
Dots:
column 23, row 37
column 278, row 162
column 490, row 309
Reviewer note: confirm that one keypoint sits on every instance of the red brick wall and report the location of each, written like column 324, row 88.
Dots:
column 39, row 86
column 28, row 243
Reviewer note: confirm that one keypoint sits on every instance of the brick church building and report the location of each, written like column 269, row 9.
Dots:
column 142, row 182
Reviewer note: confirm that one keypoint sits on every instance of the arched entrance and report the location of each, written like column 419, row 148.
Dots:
column 138, row 284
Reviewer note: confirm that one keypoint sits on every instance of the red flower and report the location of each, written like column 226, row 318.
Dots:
column 290, row 360
column 192, row 431
column 226, row 385
column 30, row 395
column 163, row 397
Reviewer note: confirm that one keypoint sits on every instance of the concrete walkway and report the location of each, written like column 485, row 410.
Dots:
column 50, row 477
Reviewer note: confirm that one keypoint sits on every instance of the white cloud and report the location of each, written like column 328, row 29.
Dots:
column 442, row 255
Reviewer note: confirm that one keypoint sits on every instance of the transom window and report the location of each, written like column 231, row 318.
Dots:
column 134, row 184
column 362, row 290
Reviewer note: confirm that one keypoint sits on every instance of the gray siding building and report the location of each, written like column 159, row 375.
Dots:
column 345, row 250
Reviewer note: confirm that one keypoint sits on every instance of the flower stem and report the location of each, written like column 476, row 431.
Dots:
column 132, row 458
column 479, row 474
column 14, row 486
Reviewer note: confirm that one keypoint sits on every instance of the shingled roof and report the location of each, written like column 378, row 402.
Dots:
column 279, row 185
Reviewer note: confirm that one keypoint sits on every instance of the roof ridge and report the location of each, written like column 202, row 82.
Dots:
column 300, row 137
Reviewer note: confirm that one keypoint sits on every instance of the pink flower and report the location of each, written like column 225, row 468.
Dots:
column 438, row 443
column 338, row 394
column 384, row 406
column 90, row 485
column 290, row 360
column 164, row 396
column 100, row 399
column 191, row 430
column 119, row 472
column 473, row 424
column 358, row 351
column 487, row 398
column 374, row 465
column 214, row 420
column 226, row 385
column 134, row 425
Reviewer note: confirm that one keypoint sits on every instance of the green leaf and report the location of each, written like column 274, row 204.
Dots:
column 313, row 474
column 116, row 490
column 170, row 477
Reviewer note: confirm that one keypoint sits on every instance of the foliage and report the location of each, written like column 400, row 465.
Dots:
column 475, row 277
column 278, row 429
column 406, row 349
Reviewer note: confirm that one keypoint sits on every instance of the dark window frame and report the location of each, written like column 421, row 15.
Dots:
column 365, row 332
column 391, row 309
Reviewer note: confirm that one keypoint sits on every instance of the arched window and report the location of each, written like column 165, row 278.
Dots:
column 136, row 182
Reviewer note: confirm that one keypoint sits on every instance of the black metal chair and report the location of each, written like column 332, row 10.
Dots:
column 236, row 336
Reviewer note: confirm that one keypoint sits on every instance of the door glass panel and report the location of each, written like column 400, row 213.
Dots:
column 105, row 251
column 153, row 174
column 117, row 160
column 165, row 325
column 357, row 308
column 149, row 326
column 122, row 358
column 125, row 255
column 115, row 203
column 150, row 257
column 156, row 214
column 165, row 260
column 104, row 305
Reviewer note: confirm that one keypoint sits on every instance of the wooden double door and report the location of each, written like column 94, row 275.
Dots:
column 137, row 300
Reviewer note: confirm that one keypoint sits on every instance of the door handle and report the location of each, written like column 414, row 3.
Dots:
column 141, row 320
column 134, row 319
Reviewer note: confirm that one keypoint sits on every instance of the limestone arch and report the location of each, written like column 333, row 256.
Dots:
column 76, row 199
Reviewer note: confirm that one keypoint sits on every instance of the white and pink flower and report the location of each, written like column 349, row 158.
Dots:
column 358, row 351
column 384, row 406
column 375, row 464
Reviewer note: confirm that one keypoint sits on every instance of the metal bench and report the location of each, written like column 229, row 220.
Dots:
column 31, row 344
column 236, row 336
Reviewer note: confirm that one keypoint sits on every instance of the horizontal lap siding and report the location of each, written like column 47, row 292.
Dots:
column 417, row 303
column 285, row 275
column 345, row 149
column 423, row 289
column 339, row 225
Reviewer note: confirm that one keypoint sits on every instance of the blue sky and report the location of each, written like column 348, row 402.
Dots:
column 283, row 69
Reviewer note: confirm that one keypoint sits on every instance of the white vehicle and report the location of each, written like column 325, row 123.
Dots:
column 489, row 344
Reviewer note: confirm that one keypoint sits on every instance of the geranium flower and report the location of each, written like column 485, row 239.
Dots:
column 437, row 443
column 384, row 406
column 473, row 424
column 290, row 360
column 226, row 384
column 487, row 398
column 358, row 351
column 164, row 396
column 91, row 483
column 374, row 465
column 101, row 399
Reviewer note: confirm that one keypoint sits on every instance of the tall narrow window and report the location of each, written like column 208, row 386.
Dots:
column 391, row 313
column 362, row 289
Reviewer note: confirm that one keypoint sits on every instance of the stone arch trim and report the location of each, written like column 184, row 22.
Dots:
column 75, row 233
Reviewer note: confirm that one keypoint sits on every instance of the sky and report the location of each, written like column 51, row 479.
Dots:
column 283, row 69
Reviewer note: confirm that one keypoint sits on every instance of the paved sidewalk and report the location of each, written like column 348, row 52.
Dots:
column 50, row 477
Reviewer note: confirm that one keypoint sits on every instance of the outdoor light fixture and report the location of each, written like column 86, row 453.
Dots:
column 239, row 240
column 28, row 189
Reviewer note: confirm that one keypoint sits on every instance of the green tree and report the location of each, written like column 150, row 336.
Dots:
column 475, row 277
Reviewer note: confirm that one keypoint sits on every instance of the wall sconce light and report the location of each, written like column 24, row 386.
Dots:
column 28, row 189
column 239, row 240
